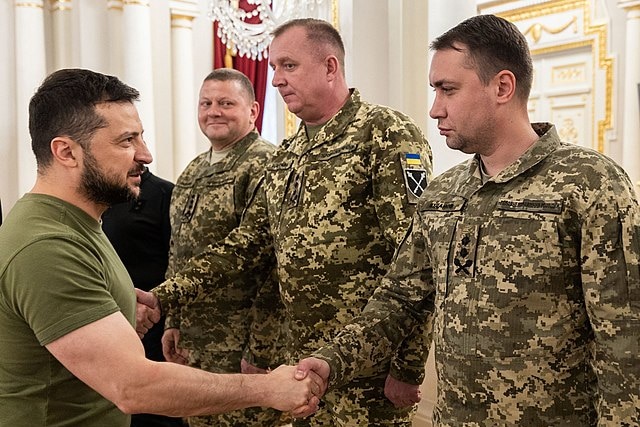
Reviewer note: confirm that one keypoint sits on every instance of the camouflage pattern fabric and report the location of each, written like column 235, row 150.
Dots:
column 332, row 211
column 531, row 282
column 207, row 203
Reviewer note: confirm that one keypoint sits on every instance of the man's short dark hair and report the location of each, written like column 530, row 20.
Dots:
column 229, row 74
column 65, row 105
column 492, row 44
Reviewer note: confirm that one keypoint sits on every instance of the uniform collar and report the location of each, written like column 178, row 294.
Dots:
column 336, row 125
column 541, row 149
column 233, row 156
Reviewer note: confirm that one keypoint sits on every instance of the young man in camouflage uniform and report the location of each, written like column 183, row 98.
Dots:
column 525, row 258
column 335, row 202
column 208, row 200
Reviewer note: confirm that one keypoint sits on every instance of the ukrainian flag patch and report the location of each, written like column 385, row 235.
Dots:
column 413, row 159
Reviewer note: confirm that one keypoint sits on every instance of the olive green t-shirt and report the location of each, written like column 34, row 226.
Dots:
column 58, row 272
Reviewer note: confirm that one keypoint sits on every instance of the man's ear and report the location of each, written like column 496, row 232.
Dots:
column 255, row 111
column 333, row 67
column 65, row 151
column 506, row 86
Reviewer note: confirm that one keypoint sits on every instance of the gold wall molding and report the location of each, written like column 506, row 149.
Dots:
column 629, row 5
column 177, row 16
column 536, row 30
column 569, row 73
column 289, row 122
column 114, row 5
column 61, row 5
column 595, row 36
column 144, row 3
column 335, row 14
column 30, row 4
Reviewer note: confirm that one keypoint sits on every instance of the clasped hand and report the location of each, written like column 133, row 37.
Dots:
column 148, row 311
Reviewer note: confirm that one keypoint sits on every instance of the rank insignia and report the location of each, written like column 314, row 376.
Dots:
column 189, row 208
column 294, row 190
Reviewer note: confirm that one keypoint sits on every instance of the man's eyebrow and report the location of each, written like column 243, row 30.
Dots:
column 282, row 59
column 125, row 135
column 439, row 83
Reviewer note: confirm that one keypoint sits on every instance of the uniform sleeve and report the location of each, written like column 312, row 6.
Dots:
column 399, row 148
column 265, row 337
column 398, row 182
column 166, row 220
column 266, row 344
column 611, row 286
column 171, row 319
column 247, row 249
column 403, row 302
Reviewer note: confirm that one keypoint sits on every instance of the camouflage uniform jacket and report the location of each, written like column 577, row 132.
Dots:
column 532, row 283
column 207, row 203
column 332, row 210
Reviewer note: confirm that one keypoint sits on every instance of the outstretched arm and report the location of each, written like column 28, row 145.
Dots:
column 404, row 300
column 405, row 163
column 108, row 356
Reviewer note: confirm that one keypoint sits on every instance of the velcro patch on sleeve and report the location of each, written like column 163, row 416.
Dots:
column 415, row 176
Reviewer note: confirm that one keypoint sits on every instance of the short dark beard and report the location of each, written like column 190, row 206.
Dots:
column 97, row 187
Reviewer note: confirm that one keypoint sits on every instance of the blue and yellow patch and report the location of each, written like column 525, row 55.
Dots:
column 415, row 176
column 413, row 159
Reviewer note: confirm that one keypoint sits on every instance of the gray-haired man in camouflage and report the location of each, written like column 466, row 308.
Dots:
column 524, row 259
column 207, row 203
column 335, row 202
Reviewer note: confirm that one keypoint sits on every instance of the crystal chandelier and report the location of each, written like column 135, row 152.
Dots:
column 252, row 40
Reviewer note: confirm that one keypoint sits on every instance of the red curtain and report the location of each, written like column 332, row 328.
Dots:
column 254, row 69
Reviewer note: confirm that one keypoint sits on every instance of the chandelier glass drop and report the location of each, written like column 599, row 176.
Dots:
column 252, row 39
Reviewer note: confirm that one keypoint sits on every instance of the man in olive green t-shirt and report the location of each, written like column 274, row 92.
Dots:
column 70, row 355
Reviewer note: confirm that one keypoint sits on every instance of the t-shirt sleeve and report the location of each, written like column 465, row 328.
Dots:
column 59, row 290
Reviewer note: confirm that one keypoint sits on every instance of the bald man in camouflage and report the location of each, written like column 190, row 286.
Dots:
column 525, row 258
column 336, row 199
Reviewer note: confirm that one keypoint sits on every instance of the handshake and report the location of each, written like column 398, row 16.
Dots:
column 298, row 389
column 287, row 388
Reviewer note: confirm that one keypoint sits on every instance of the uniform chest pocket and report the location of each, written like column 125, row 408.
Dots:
column 277, row 179
column 523, row 249
column 440, row 221
column 523, row 295
column 219, row 181
column 338, row 186
column 324, row 154
column 209, row 197
column 204, row 183
column 277, row 172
